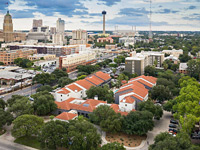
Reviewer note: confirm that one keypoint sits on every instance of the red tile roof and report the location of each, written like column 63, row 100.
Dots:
column 95, row 80
column 89, row 105
column 128, row 99
column 103, row 75
column 64, row 91
column 145, row 83
column 84, row 83
column 148, row 78
column 66, row 116
column 74, row 87
column 136, row 89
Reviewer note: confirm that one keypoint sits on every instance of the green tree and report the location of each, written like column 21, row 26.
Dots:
column 165, row 141
column 138, row 122
column 103, row 93
column 44, row 78
column 194, row 69
column 160, row 93
column 184, row 57
column 113, row 146
column 106, row 117
column 6, row 118
column 83, row 135
column 43, row 103
column 1, row 63
column 26, row 125
column 3, row 104
column 54, row 134
column 21, row 106
column 150, row 71
column 81, row 77
column 168, row 106
column 88, row 68
column 45, row 88
column 59, row 74
column 64, row 81
column 13, row 98
column 22, row 62
column 154, row 109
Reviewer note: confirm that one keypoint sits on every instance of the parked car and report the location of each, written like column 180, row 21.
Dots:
column 173, row 121
column 173, row 130
column 172, row 126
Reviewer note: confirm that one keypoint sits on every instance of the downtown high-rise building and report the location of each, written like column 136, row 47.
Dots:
column 60, row 26
column 37, row 23
column 8, row 28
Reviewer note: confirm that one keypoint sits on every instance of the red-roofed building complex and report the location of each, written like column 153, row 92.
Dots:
column 107, row 39
column 134, row 92
column 78, row 89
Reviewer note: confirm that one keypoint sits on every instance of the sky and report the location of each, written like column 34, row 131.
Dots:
column 167, row 15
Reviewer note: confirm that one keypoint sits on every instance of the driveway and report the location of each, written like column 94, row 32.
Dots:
column 160, row 126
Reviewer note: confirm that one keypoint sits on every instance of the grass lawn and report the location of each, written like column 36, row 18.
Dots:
column 124, row 139
column 28, row 141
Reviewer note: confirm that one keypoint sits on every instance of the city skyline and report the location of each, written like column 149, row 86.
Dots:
column 168, row 15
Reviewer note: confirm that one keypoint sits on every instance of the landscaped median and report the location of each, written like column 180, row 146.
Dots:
column 124, row 139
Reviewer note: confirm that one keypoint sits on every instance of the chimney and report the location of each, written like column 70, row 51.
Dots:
column 96, row 97
column 76, row 90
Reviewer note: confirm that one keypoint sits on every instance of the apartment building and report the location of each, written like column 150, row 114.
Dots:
column 46, row 49
column 174, row 52
column 107, row 39
column 137, row 62
column 8, row 56
column 79, row 37
column 41, row 57
column 70, row 62
column 78, row 89
column 134, row 92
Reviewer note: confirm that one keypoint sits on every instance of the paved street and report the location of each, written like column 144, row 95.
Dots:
column 24, row 91
column 160, row 126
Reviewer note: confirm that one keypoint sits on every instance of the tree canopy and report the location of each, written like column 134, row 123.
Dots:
column 138, row 122
column 22, row 62
column 44, row 78
column 165, row 141
column 20, row 105
column 103, row 93
column 26, row 125
column 64, row 81
column 6, row 118
column 43, row 103
column 160, row 93
column 54, row 134
column 154, row 109
column 47, row 88
column 106, row 117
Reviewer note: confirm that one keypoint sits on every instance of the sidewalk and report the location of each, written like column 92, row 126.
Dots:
column 7, row 141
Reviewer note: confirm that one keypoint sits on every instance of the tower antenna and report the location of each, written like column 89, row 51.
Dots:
column 150, row 23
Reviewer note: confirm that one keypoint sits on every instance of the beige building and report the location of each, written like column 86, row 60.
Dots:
column 8, row 34
column 37, row 23
column 174, row 52
column 137, row 62
column 42, row 57
column 79, row 37
column 59, row 39
column 70, row 62
column 8, row 56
